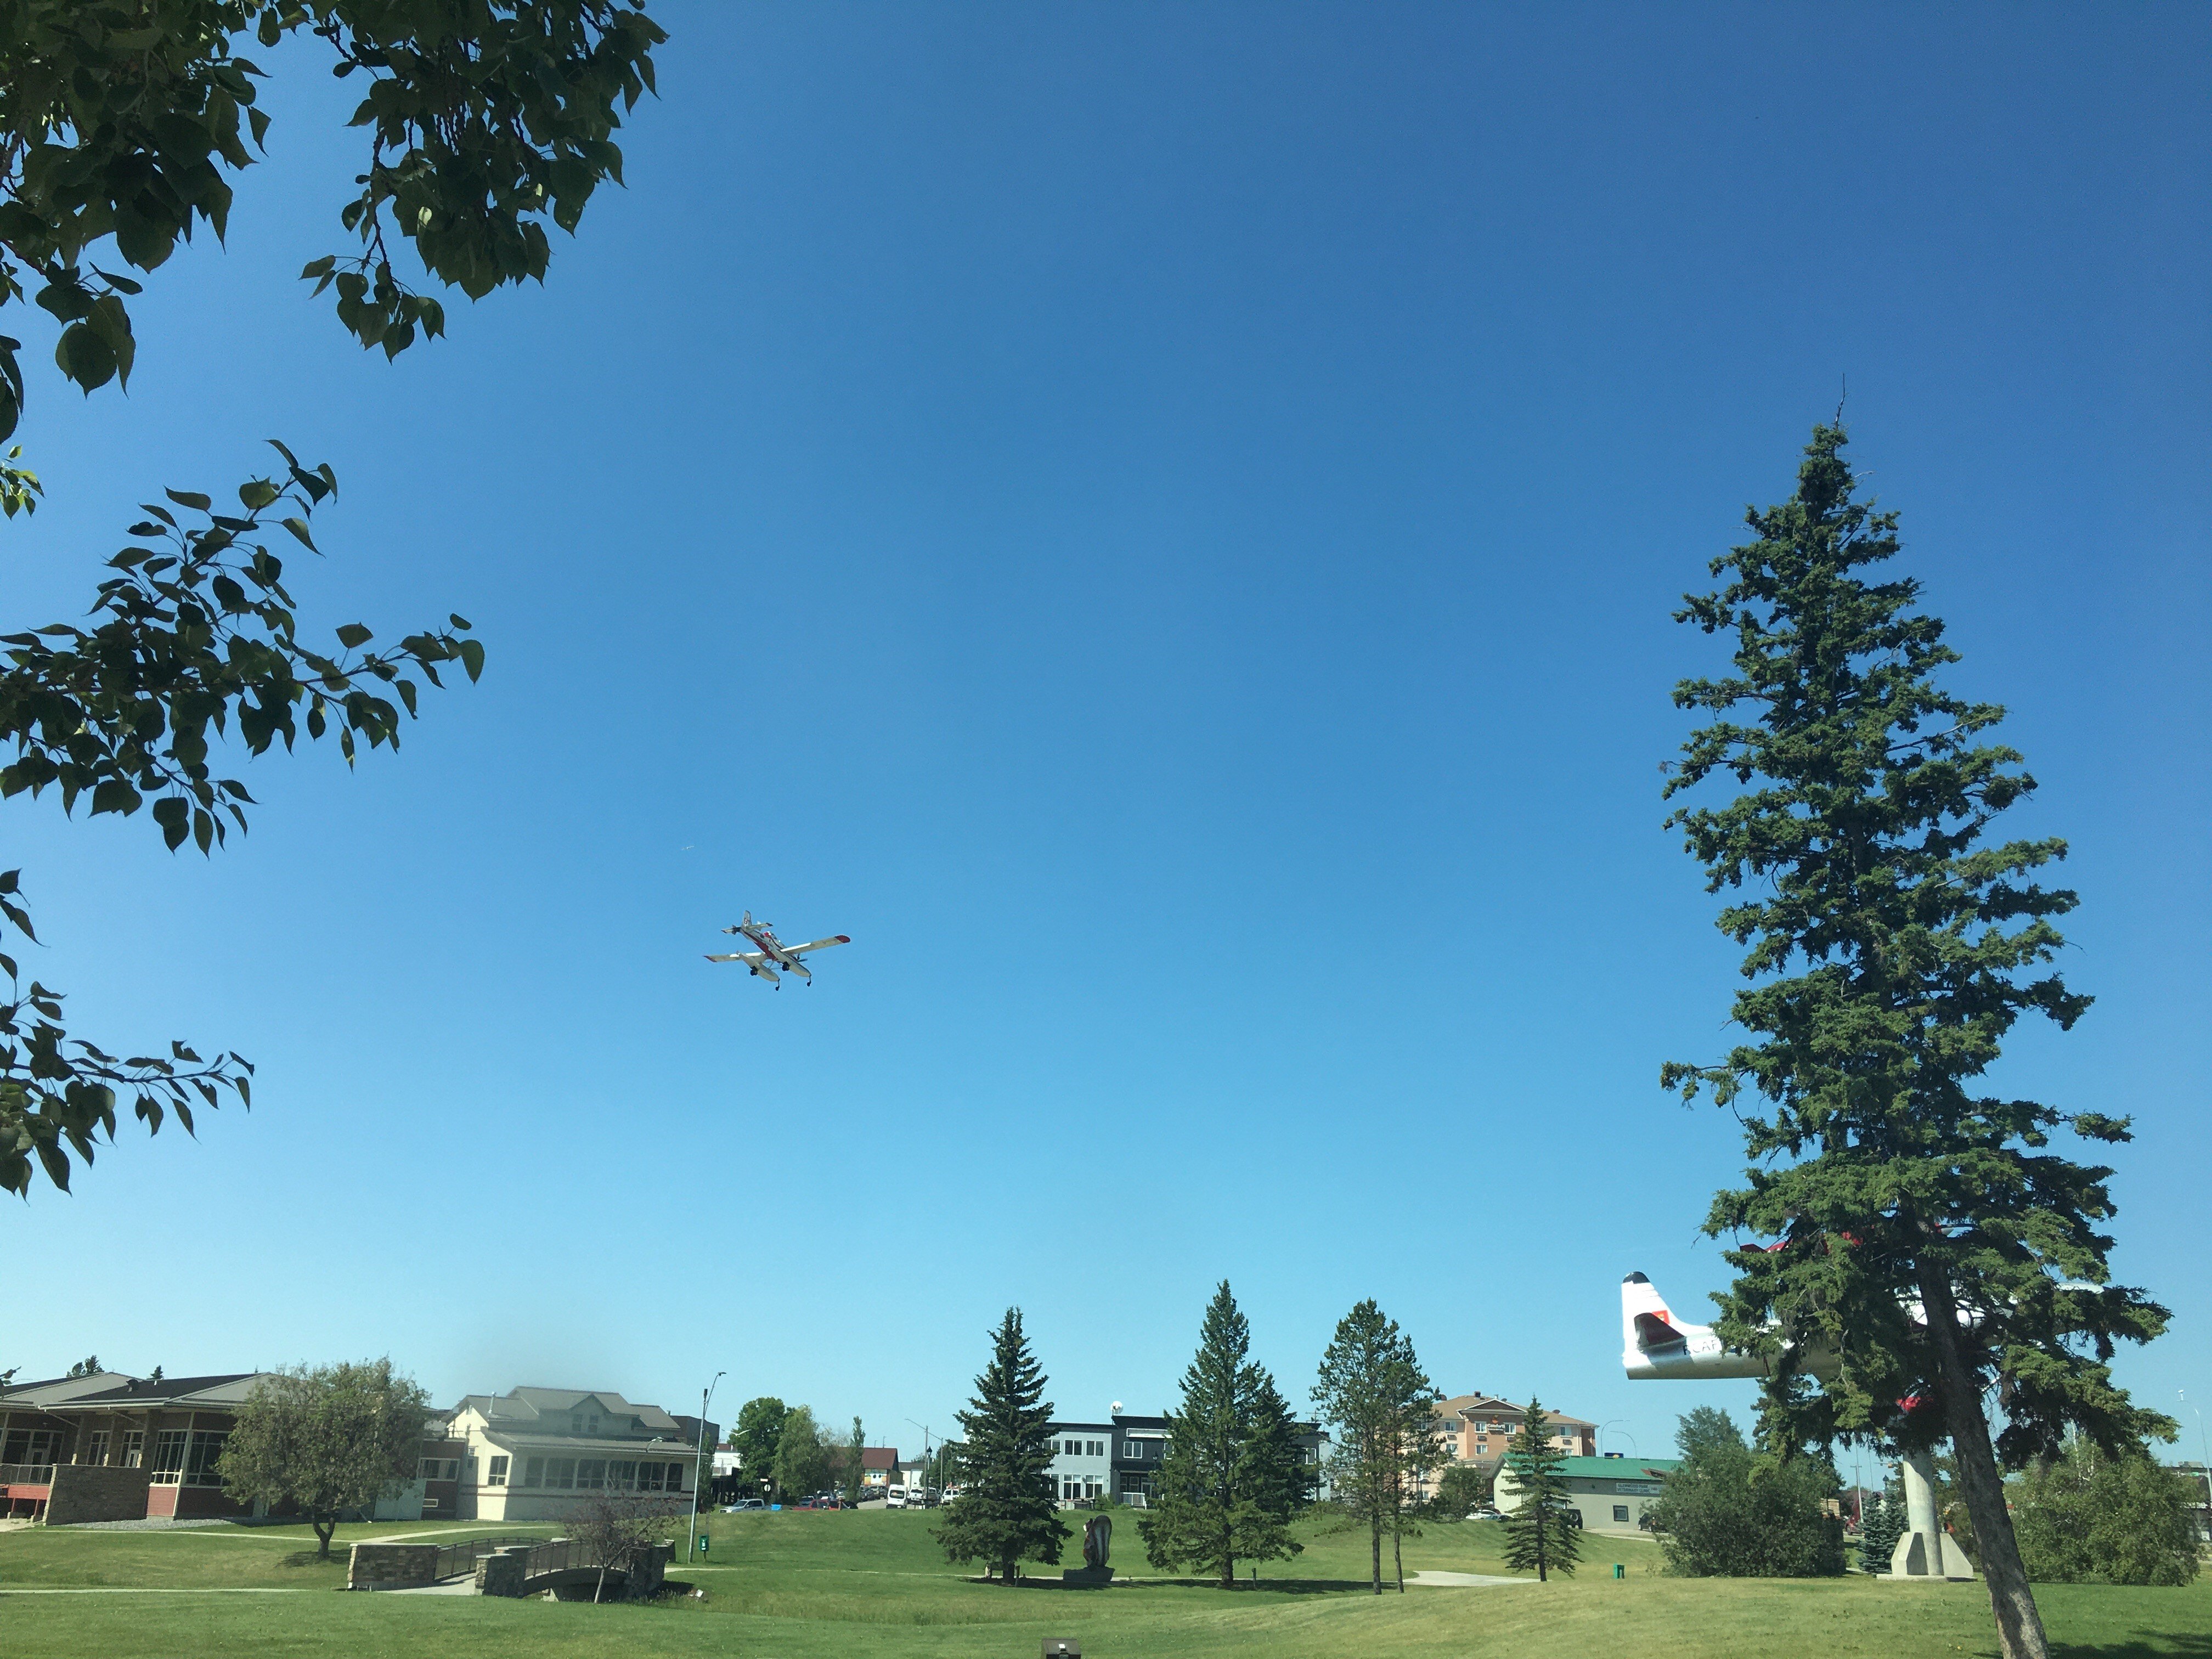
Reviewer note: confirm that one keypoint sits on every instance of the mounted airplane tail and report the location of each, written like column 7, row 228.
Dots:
column 1655, row 1343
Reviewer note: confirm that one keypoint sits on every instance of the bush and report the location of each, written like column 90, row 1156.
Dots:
column 2088, row 1518
column 1724, row 1515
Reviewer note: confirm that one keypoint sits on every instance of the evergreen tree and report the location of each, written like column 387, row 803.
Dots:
column 1541, row 1537
column 1224, row 1491
column 1007, row 1510
column 1925, row 1234
column 1372, row 1388
column 1883, row 1526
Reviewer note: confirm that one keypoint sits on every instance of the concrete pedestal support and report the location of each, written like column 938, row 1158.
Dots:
column 1926, row 1551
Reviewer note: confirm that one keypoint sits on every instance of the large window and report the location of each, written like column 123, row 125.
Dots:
column 676, row 1477
column 199, row 1468
column 591, row 1474
column 533, row 1472
column 561, row 1473
column 169, row 1456
column 95, row 1450
column 622, row 1477
column 497, row 1476
column 134, row 1447
column 440, row 1469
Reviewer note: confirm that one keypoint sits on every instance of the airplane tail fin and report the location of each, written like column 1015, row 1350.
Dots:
column 1645, row 1322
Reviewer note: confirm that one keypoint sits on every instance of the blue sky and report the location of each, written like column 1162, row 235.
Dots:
column 1161, row 523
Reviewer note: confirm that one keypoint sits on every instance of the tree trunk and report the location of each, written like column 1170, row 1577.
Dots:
column 2019, row 1626
column 1375, row 1520
column 324, row 1529
column 1398, row 1553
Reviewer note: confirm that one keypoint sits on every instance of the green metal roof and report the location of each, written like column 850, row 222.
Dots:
column 1617, row 1468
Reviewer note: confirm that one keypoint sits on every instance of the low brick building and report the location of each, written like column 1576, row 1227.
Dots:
column 109, row 1447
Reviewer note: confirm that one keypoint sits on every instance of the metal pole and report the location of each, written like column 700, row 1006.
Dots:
column 706, row 1394
column 924, row 1427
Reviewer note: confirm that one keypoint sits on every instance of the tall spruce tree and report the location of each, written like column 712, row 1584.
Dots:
column 1006, row 1512
column 1924, row 1232
column 1540, row 1536
column 1884, row 1524
column 1223, row 1492
column 1372, row 1389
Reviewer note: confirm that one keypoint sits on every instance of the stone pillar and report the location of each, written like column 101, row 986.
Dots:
column 1925, row 1550
column 503, row 1572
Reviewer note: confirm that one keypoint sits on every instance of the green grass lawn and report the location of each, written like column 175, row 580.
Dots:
column 809, row 1584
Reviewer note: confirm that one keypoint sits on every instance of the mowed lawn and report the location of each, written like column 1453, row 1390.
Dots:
column 872, row 1581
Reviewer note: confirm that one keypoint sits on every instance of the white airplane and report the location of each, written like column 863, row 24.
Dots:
column 1654, row 1343
column 774, row 953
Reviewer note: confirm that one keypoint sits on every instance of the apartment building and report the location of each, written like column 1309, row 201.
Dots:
column 1474, row 1428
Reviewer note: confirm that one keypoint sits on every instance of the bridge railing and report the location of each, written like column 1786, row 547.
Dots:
column 461, row 1556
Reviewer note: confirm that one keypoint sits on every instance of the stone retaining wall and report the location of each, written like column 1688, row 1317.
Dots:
column 89, row 1491
column 391, row 1566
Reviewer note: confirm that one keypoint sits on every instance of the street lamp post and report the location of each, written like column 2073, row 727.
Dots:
column 924, row 1427
column 1602, row 1427
column 705, row 1395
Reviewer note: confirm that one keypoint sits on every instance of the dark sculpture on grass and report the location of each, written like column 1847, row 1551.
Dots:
column 1098, row 1539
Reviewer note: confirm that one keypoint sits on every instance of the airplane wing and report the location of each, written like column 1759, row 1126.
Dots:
column 750, row 958
column 818, row 945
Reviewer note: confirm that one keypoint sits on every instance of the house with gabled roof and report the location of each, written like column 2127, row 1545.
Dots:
column 536, row 1454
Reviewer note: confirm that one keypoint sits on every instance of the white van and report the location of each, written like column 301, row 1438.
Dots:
column 895, row 1498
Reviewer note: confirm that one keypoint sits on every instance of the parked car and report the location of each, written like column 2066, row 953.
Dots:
column 895, row 1498
column 744, row 1504
column 1485, row 1513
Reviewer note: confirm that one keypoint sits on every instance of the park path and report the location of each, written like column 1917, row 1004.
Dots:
column 1434, row 1580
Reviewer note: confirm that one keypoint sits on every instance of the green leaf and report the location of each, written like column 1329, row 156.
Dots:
column 190, row 498
column 353, row 635
column 472, row 656
column 83, row 356
column 299, row 529
column 114, row 795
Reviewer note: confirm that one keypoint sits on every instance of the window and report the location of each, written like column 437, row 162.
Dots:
column 1098, row 1447
column 575, row 1422
column 1620, row 1513
column 622, row 1477
column 95, row 1450
column 169, row 1456
column 199, row 1466
column 561, row 1473
column 591, row 1474
column 134, row 1447
column 676, row 1477
column 1092, row 1489
column 497, row 1477
column 1071, row 1488
column 1131, row 1449
column 648, row 1477
column 440, row 1469
column 533, row 1472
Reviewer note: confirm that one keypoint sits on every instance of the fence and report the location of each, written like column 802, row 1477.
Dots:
column 455, row 1559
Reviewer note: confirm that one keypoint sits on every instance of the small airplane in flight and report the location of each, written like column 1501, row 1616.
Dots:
column 774, row 953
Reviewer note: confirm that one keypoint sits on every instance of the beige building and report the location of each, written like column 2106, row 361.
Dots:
column 1608, row 1494
column 539, row 1454
column 1474, row 1428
